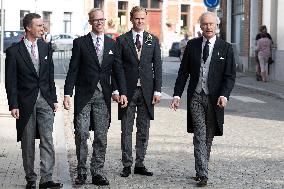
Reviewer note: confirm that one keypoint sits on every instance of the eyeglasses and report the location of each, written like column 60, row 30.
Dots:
column 207, row 24
column 101, row 20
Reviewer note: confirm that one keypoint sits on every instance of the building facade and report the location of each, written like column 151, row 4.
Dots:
column 59, row 16
column 167, row 19
column 240, row 21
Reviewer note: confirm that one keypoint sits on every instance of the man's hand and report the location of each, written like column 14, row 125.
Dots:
column 156, row 99
column 116, row 98
column 15, row 113
column 123, row 101
column 55, row 107
column 175, row 104
column 222, row 102
column 67, row 102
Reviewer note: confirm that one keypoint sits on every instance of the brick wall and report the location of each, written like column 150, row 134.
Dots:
column 173, row 16
column 111, row 10
column 244, row 50
column 196, row 12
column 223, row 21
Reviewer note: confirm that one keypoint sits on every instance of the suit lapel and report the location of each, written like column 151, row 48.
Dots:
column 144, row 47
column 90, row 46
column 26, row 56
column 214, row 57
column 199, row 51
column 215, row 51
column 130, row 41
column 41, row 54
column 106, row 50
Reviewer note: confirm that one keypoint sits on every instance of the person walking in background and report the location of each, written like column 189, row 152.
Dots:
column 208, row 89
column 262, row 30
column 90, row 68
column 182, row 45
column 31, row 92
column 46, row 36
column 263, row 48
column 140, row 54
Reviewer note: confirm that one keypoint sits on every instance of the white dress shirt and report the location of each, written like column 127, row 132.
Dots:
column 101, row 47
column 29, row 47
column 134, row 34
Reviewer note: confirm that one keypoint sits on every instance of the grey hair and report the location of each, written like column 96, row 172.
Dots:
column 209, row 13
column 95, row 10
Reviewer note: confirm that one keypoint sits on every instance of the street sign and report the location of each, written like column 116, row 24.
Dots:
column 211, row 3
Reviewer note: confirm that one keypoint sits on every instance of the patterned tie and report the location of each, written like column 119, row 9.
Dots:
column 138, row 43
column 33, row 50
column 97, row 45
column 205, row 51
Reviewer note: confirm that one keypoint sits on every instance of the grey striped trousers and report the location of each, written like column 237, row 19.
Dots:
column 142, row 134
column 204, row 123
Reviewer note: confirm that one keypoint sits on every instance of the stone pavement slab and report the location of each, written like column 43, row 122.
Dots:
column 11, row 170
column 242, row 158
column 247, row 80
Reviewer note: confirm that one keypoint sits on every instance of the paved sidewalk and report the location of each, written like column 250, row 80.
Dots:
column 242, row 158
column 247, row 80
column 170, row 153
column 11, row 170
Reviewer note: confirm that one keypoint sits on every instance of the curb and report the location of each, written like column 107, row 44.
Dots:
column 279, row 95
column 62, row 165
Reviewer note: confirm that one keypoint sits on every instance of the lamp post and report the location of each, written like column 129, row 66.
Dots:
column 163, row 23
column 2, row 44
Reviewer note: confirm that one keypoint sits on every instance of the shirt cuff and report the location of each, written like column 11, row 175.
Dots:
column 67, row 95
column 177, row 97
column 115, row 92
column 225, row 98
column 156, row 93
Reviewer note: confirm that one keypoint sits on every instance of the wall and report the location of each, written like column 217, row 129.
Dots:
column 57, row 7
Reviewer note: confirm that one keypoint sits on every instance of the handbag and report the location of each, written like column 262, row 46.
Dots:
column 270, row 61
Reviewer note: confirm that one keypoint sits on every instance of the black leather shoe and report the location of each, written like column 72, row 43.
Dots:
column 125, row 172
column 202, row 182
column 81, row 179
column 196, row 178
column 99, row 180
column 142, row 171
column 50, row 184
column 31, row 185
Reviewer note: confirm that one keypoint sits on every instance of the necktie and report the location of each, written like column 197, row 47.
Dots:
column 205, row 51
column 33, row 50
column 97, row 45
column 138, row 43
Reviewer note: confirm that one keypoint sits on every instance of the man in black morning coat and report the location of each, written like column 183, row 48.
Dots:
column 140, row 55
column 31, row 93
column 91, row 66
column 209, row 61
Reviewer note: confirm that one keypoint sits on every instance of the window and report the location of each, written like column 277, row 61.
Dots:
column 150, row 4
column 155, row 4
column 67, row 22
column 46, row 19
column 184, row 9
column 22, row 15
column 144, row 3
column 98, row 4
column 122, row 12
column 237, row 22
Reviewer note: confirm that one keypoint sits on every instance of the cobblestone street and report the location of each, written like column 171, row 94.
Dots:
column 249, row 155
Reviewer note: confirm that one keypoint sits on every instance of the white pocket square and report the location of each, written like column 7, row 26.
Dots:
column 221, row 58
column 110, row 52
column 45, row 58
